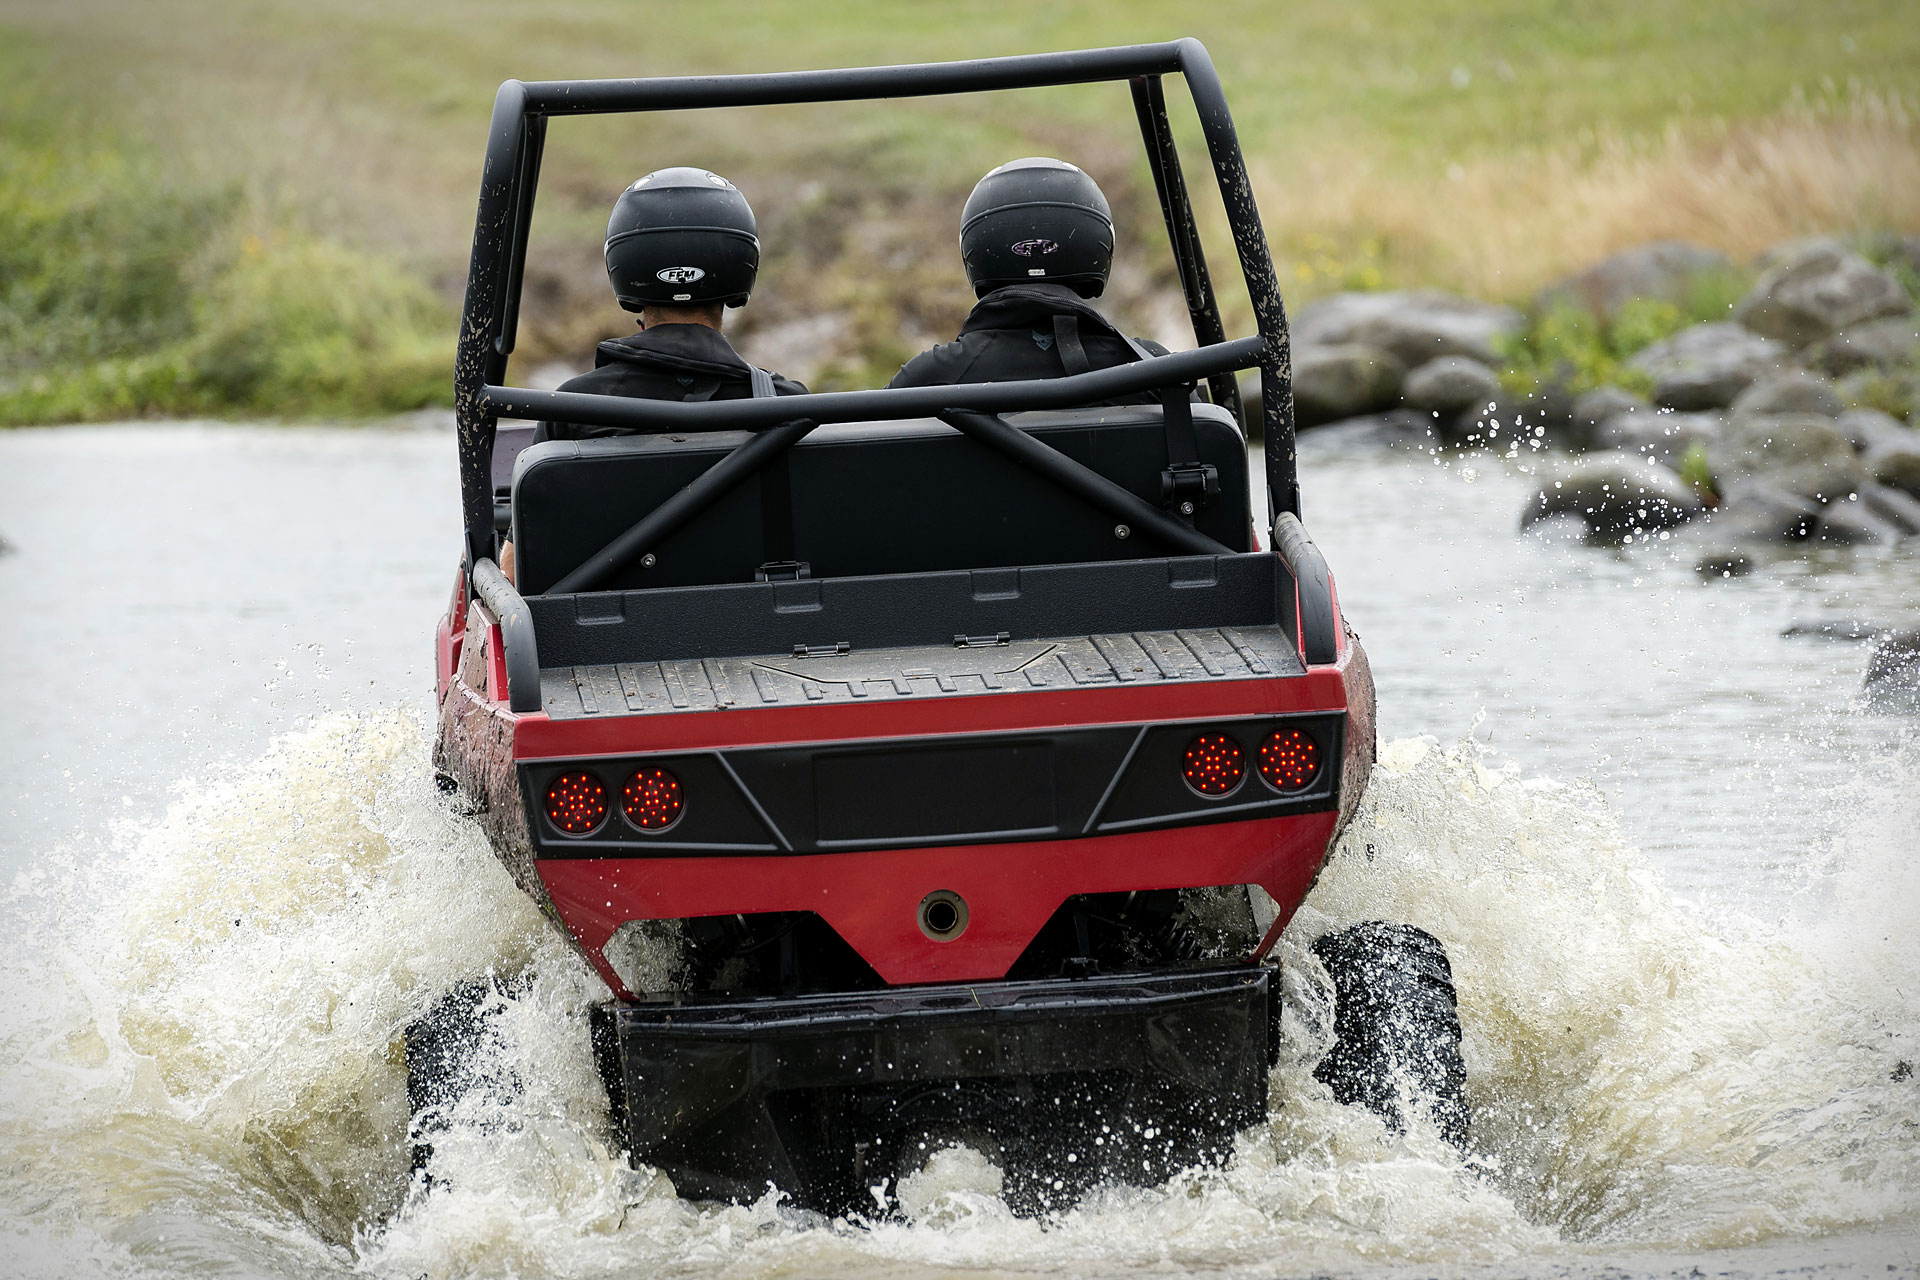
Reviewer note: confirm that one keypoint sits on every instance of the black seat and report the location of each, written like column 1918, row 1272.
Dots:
column 868, row 498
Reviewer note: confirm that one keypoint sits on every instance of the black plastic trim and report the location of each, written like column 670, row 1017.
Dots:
column 1022, row 787
column 720, row 815
column 1250, row 589
column 1154, row 793
column 726, row 1097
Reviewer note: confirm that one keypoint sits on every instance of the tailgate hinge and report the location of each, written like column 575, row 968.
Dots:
column 783, row 571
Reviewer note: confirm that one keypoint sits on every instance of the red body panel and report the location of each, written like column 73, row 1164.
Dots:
column 872, row 898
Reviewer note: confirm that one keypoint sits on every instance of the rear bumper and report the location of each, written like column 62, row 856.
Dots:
column 1135, row 1076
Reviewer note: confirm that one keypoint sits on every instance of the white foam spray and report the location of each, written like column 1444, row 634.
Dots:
column 200, row 1050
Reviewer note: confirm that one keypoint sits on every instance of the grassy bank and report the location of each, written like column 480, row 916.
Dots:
column 264, row 209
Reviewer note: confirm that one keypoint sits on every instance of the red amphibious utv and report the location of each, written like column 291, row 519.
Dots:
column 949, row 783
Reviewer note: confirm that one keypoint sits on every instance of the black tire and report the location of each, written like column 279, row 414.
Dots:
column 1396, row 1026
column 446, row 1060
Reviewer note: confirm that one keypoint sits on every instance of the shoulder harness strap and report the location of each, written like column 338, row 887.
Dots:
column 776, row 500
column 1187, row 483
column 1066, row 341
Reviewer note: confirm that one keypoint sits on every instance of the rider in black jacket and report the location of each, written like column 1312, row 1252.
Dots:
column 682, row 247
column 1036, row 237
column 680, row 355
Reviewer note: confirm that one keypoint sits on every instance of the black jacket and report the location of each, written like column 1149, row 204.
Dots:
column 1013, row 334
column 666, row 362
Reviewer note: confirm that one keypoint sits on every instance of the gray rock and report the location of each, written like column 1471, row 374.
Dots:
column 1869, row 429
column 1665, row 269
column 1334, row 382
column 1892, row 249
column 1815, row 290
column 1887, row 344
column 1849, row 523
column 1414, row 326
column 1896, row 466
column 1788, row 250
column 1894, row 391
column 1616, row 495
column 1706, row 366
column 1752, row 511
column 1792, row 391
column 1803, row 453
column 1893, row 675
column 1591, row 408
column 1724, row 560
column 1897, row 507
column 1594, row 407
column 1449, row 386
column 1662, row 436
column 1752, row 521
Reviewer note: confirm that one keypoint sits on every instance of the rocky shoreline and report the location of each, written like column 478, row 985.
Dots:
column 1789, row 422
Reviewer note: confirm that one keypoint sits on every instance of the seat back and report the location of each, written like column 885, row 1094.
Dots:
column 867, row 498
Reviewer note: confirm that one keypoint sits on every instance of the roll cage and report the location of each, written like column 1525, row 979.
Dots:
column 490, row 318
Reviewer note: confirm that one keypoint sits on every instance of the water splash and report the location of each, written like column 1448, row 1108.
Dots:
column 200, row 1047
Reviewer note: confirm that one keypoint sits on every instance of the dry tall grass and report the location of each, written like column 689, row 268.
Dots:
column 1502, row 227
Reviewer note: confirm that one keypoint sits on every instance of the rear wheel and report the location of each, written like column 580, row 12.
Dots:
column 448, row 1058
column 1396, row 1026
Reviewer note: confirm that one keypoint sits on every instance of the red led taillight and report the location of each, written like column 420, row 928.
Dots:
column 651, row 800
column 577, row 803
column 1289, row 760
column 1214, row 764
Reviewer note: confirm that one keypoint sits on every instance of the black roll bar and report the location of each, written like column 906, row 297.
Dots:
column 516, row 138
column 1256, row 265
column 1170, row 184
column 872, row 406
column 518, row 649
column 855, row 84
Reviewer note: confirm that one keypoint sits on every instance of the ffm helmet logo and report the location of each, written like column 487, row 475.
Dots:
column 679, row 275
column 1034, row 248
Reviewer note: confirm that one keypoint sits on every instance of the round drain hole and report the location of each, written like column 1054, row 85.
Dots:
column 943, row 915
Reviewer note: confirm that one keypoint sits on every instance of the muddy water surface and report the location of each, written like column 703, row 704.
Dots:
column 1672, row 856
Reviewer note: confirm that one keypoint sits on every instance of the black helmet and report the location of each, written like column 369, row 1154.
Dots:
column 1037, row 219
column 681, row 237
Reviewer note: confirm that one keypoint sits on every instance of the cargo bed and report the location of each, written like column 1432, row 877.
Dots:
column 966, row 666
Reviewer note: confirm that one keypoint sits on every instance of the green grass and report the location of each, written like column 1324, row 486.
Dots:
column 1570, row 347
column 265, row 207
column 125, row 291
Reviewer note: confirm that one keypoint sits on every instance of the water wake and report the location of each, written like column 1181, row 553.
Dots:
column 201, row 1030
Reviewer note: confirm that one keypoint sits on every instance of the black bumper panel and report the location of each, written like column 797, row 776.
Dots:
column 830, row 1097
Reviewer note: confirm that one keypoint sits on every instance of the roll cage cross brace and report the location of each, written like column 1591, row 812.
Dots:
column 490, row 317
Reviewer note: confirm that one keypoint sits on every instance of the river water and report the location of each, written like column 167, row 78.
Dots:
column 1674, row 856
